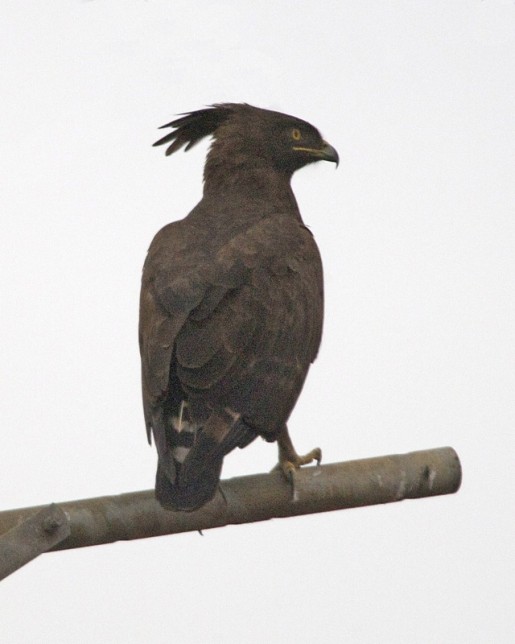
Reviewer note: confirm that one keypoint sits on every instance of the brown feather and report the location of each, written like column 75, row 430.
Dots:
column 231, row 302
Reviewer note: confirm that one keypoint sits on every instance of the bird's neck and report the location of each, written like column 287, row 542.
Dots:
column 259, row 189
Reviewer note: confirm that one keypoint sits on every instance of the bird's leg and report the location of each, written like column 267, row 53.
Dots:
column 290, row 461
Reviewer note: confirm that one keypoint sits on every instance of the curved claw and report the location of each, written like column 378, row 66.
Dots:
column 289, row 470
column 290, row 466
column 290, row 461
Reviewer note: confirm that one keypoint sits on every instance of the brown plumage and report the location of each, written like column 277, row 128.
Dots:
column 231, row 301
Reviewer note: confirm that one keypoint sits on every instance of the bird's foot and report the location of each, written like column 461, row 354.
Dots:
column 293, row 462
column 290, row 461
column 289, row 466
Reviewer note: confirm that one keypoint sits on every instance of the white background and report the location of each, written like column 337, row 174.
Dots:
column 417, row 231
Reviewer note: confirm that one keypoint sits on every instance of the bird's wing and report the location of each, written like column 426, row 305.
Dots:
column 171, row 288
column 237, row 328
column 249, row 343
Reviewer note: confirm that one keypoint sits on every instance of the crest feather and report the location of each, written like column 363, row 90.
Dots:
column 192, row 127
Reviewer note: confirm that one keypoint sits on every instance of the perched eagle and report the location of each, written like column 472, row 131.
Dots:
column 231, row 301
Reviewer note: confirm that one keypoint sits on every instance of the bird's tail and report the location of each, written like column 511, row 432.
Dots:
column 190, row 477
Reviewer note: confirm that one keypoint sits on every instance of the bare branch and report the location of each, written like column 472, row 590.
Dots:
column 259, row 497
column 36, row 534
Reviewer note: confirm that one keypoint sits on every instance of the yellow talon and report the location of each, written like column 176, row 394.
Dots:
column 290, row 461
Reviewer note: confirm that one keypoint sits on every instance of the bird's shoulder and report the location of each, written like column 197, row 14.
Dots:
column 209, row 241
column 189, row 257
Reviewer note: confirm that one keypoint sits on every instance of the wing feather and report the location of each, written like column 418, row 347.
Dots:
column 240, row 327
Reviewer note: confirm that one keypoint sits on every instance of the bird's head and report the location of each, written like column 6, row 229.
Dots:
column 252, row 136
column 289, row 142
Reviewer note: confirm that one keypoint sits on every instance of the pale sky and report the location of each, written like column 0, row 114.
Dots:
column 417, row 234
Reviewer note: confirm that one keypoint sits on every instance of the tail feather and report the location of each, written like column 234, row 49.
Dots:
column 192, row 482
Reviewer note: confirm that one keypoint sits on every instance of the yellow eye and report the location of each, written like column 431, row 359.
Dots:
column 295, row 134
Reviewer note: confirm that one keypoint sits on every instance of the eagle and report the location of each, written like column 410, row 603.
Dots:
column 231, row 305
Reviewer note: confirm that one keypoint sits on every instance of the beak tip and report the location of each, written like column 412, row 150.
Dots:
column 330, row 154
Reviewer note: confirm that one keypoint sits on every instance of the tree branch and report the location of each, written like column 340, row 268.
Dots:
column 259, row 497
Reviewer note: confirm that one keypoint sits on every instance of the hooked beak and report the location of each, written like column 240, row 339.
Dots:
column 325, row 153
column 328, row 153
